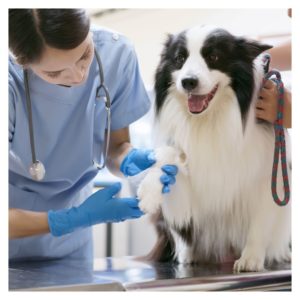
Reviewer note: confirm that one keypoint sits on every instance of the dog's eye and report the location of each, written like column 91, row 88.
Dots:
column 180, row 59
column 213, row 58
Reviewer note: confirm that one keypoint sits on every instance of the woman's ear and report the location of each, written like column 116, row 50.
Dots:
column 24, row 66
column 19, row 62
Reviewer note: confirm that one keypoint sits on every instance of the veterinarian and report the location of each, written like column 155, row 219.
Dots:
column 73, row 92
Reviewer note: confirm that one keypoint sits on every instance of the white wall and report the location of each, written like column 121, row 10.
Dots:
column 147, row 28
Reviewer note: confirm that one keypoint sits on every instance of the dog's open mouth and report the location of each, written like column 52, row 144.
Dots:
column 198, row 103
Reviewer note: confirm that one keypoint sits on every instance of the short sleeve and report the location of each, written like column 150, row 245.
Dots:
column 131, row 100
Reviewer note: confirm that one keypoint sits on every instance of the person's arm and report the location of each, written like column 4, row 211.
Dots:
column 24, row 223
column 287, row 115
column 267, row 104
column 119, row 147
column 123, row 159
column 101, row 207
column 281, row 56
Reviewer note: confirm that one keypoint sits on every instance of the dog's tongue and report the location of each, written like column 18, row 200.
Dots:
column 197, row 103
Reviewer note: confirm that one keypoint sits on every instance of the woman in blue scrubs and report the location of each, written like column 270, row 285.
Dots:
column 52, row 218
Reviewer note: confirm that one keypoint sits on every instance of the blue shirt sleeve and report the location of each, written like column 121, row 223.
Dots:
column 131, row 99
column 12, row 110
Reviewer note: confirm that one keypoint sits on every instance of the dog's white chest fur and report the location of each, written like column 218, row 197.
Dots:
column 225, row 186
column 225, row 191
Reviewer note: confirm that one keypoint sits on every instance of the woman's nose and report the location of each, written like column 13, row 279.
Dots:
column 77, row 74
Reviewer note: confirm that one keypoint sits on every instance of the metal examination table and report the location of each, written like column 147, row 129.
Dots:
column 130, row 274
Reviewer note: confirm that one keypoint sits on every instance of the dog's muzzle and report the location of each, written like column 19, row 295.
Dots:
column 189, row 83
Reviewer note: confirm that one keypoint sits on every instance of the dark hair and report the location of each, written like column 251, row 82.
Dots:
column 30, row 30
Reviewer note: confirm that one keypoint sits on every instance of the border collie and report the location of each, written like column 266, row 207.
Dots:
column 221, row 207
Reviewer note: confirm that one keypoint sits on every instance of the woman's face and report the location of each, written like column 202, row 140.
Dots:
column 66, row 67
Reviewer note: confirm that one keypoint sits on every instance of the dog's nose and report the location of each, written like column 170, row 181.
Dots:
column 189, row 83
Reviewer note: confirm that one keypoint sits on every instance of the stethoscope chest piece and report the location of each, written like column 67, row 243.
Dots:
column 37, row 171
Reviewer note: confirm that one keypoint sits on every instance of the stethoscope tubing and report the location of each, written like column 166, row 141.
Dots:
column 29, row 112
column 107, row 100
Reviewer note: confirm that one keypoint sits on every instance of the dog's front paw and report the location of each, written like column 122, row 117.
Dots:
column 149, row 205
column 249, row 262
column 149, row 193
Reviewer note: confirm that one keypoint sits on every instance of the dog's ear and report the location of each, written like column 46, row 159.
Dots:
column 169, row 40
column 253, row 48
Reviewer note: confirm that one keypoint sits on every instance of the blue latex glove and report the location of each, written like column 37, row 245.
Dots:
column 136, row 161
column 169, row 177
column 100, row 207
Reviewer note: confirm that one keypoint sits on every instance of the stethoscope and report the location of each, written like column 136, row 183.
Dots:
column 37, row 168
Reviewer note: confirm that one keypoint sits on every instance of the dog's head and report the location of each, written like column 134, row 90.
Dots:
column 200, row 62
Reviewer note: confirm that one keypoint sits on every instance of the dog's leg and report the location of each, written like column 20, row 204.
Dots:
column 164, row 249
column 279, row 249
column 150, row 189
column 262, row 216
column 252, row 259
column 269, row 234
column 253, row 254
column 183, row 251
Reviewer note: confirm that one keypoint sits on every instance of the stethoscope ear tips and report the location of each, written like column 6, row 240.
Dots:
column 37, row 171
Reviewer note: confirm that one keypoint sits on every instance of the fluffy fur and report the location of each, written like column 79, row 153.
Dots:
column 206, row 86
column 152, row 200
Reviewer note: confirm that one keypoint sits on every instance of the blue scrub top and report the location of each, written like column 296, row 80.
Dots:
column 69, row 125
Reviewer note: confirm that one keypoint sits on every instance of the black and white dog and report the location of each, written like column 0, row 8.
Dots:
column 206, row 87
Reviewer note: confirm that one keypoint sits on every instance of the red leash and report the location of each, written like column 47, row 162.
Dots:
column 280, row 147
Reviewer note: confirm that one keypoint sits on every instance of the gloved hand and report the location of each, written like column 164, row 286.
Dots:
column 169, row 177
column 100, row 207
column 138, row 160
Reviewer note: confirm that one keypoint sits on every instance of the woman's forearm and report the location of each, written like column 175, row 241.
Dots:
column 119, row 148
column 24, row 223
column 281, row 56
column 287, row 113
column 116, row 157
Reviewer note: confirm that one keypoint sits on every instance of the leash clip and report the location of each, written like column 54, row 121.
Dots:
column 266, row 62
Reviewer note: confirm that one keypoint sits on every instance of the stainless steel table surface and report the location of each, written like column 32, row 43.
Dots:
column 131, row 274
